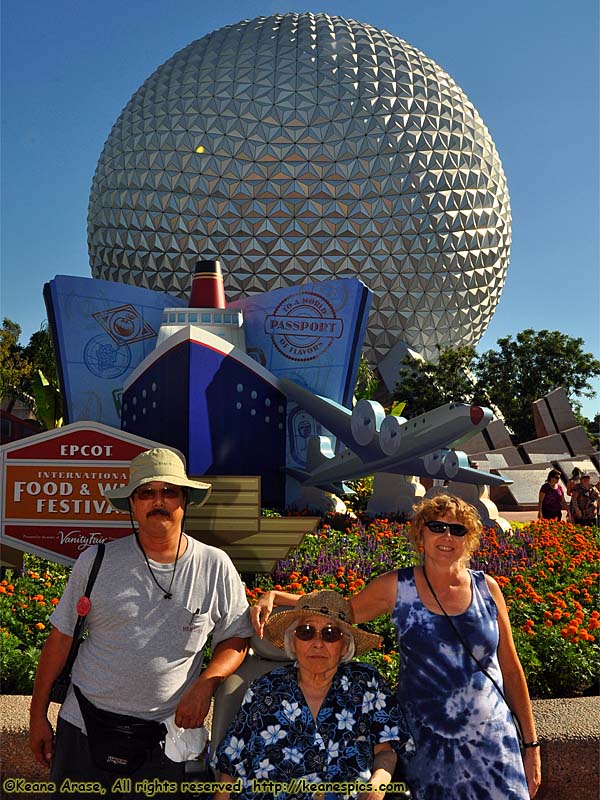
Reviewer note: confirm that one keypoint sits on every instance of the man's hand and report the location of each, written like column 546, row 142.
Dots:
column 195, row 702
column 41, row 738
column 52, row 660
column 193, row 706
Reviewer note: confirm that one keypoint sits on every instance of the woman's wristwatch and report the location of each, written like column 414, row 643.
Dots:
column 535, row 743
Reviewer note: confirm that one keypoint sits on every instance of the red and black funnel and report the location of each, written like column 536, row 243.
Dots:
column 207, row 286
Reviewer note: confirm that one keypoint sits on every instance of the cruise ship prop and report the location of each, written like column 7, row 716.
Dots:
column 262, row 386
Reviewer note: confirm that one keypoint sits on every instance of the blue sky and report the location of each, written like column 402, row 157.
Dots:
column 530, row 67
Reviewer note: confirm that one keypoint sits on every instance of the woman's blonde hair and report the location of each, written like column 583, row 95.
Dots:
column 440, row 505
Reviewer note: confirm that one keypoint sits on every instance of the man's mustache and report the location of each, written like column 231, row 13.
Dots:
column 162, row 511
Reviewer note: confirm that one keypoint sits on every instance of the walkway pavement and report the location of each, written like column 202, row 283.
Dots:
column 519, row 516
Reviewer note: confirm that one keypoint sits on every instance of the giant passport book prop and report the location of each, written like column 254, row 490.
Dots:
column 312, row 335
column 101, row 332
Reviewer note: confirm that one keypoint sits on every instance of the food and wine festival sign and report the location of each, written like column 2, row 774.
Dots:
column 53, row 485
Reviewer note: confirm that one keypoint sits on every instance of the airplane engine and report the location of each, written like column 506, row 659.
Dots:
column 451, row 464
column 367, row 417
column 433, row 461
column 390, row 434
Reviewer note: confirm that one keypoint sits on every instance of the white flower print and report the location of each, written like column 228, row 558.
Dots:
column 333, row 750
column 235, row 747
column 345, row 720
column 368, row 703
column 291, row 710
column 273, row 734
column 264, row 767
column 389, row 733
column 292, row 754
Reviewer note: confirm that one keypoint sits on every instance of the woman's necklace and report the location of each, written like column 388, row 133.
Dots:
column 167, row 594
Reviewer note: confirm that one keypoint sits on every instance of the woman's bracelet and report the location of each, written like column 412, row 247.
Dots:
column 535, row 743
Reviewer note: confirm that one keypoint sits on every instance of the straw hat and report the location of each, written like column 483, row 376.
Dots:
column 158, row 464
column 328, row 604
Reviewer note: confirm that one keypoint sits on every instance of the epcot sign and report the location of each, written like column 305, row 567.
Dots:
column 53, row 502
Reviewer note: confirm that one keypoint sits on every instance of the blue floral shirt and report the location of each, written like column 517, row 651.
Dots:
column 274, row 736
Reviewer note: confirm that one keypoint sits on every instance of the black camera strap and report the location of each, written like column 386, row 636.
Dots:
column 80, row 624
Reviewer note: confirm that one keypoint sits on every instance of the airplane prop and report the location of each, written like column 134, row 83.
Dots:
column 376, row 442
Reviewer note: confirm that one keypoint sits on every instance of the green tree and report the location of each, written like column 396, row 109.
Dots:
column 29, row 374
column 366, row 380
column 425, row 385
column 529, row 366
column 40, row 353
column 15, row 368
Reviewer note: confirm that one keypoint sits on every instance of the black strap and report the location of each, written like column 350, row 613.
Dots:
column 474, row 657
column 80, row 624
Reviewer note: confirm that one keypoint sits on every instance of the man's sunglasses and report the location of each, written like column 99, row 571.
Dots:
column 328, row 634
column 441, row 527
column 167, row 492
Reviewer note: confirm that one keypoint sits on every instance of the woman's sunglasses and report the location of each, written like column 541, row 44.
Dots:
column 328, row 634
column 441, row 527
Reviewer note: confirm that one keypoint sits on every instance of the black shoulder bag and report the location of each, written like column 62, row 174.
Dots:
column 63, row 681
column 515, row 719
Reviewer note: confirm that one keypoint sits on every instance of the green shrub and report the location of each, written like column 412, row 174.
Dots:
column 26, row 601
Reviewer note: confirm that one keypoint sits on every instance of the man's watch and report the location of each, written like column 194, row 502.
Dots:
column 535, row 743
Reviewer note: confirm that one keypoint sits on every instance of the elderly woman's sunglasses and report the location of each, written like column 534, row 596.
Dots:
column 329, row 633
column 441, row 527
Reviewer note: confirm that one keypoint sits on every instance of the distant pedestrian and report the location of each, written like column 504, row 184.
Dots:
column 551, row 501
column 573, row 480
column 584, row 502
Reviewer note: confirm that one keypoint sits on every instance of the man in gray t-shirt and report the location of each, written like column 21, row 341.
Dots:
column 158, row 596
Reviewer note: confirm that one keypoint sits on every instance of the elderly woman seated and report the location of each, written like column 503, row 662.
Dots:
column 322, row 720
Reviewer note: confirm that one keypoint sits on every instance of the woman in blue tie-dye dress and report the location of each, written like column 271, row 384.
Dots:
column 466, row 742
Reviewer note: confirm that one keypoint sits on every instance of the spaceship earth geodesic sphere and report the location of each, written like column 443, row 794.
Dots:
column 305, row 147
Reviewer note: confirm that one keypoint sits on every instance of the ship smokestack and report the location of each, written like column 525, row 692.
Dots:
column 207, row 286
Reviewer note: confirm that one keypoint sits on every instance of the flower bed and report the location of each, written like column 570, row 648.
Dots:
column 26, row 602
column 548, row 572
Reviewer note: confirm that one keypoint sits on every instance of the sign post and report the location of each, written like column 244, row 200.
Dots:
column 53, row 502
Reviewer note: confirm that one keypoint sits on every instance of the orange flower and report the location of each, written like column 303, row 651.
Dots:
column 40, row 626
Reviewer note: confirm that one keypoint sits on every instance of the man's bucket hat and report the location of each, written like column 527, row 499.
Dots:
column 158, row 464
column 325, row 603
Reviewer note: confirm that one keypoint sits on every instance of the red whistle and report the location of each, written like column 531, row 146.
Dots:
column 83, row 606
